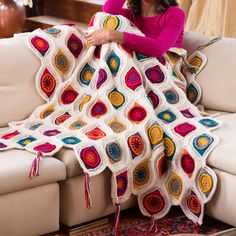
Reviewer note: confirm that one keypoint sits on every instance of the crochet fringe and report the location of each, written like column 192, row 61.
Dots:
column 88, row 200
column 34, row 171
column 116, row 220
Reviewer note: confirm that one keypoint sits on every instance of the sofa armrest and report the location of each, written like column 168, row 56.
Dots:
column 218, row 77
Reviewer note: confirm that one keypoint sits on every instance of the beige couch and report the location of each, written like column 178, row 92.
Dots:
column 35, row 207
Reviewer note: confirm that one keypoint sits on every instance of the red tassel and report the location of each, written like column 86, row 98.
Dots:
column 88, row 200
column 154, row 226
column 197, row 228
column 34, row 171
column 117, row 219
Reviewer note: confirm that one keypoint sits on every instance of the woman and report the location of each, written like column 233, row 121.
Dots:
column 161, row 21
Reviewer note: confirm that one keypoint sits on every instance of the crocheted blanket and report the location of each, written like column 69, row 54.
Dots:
column 125, row 111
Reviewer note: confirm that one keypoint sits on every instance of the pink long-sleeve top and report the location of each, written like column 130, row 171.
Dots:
column 161, row 31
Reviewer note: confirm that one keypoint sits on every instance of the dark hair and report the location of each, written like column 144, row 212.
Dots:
column 162, row 5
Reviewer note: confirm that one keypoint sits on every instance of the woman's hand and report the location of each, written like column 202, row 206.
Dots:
column 99, row 37
column 102, row 36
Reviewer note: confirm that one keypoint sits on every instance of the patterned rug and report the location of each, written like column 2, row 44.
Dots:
column 133, row 223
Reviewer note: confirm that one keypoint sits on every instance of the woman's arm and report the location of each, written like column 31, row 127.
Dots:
column 142, row 44
column 114, row 7
column 153, row 47
column 166, row 39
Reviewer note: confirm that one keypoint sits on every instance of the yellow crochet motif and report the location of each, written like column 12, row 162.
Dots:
column 155, row 134
column 46, row 112
column 196, row 61
column 169, row 147
column 205, row 183
column 116, row 99
column 174, row 185
column 111, row 22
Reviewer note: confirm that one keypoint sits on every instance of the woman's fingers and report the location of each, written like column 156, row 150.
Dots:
column 97, row 37
column 92, row 42
column 89, row 36
column 90, row 39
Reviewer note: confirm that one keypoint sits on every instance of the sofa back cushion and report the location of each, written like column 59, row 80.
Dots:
column 18, row 67
column 218, row 78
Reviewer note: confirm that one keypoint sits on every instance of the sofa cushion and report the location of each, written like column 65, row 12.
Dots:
column 193, row 40
column 222, row 206
column 15, row 167
column 18, row 67
column 217, row 79
column 30, row 212
column 223, row 157
column 72, row 204
column 67, row 156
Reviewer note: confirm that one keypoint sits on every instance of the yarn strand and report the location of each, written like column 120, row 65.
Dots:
column 34, row 171
column 214, row 40
column 117, row 219
column 154, row 226
column 88, row 200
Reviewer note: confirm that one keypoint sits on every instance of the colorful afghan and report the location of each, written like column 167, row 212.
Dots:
column 123, row 110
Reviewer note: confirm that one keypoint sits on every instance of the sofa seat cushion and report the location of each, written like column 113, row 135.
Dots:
column 67, row 156
column 15, row 167
column 223, row 157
